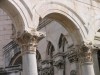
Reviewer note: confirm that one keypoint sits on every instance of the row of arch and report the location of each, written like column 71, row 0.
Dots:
column 20, row 13
column 23, row 21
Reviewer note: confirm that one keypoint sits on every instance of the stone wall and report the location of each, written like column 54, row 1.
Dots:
column 5, row 34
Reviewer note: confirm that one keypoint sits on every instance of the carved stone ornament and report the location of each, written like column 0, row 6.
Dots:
column 72, row 56
column 48, row 71
column 47, row 67
column 58, row 60
column 28, row 41
column 86, row 53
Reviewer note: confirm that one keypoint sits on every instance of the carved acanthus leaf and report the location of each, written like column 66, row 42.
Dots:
column 86, row 53
column 28, row 41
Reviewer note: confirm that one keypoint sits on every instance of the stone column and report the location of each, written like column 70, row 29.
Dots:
column 96, row 63
column 87, row 60
column 12, row 74
column 28, row 43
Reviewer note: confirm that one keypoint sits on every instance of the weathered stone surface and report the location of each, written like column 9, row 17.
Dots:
column 77, row 20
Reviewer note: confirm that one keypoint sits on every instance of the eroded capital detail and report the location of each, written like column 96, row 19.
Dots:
column 82, row 53
column 85, row 53
column 28, row 41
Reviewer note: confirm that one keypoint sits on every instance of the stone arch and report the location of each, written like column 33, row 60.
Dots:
column 70, row 27
column 61, row 12
column 16, row 58
column 18, row 13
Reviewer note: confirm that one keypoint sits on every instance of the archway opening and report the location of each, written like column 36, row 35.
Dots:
column 54, row 25
column 65, row 22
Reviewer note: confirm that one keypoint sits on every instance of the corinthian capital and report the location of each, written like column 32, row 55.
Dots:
column 32, row 37
column 38, row 35
column 86, row 52
column 28, row 41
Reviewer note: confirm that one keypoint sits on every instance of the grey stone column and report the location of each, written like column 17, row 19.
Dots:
column 96, row 63
column 88, row 69
column 28, row 43
column 29, row 63
column 87, row 60
column 12, row 74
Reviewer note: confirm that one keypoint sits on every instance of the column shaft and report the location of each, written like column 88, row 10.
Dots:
column 88, row 69
column 30, row 64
